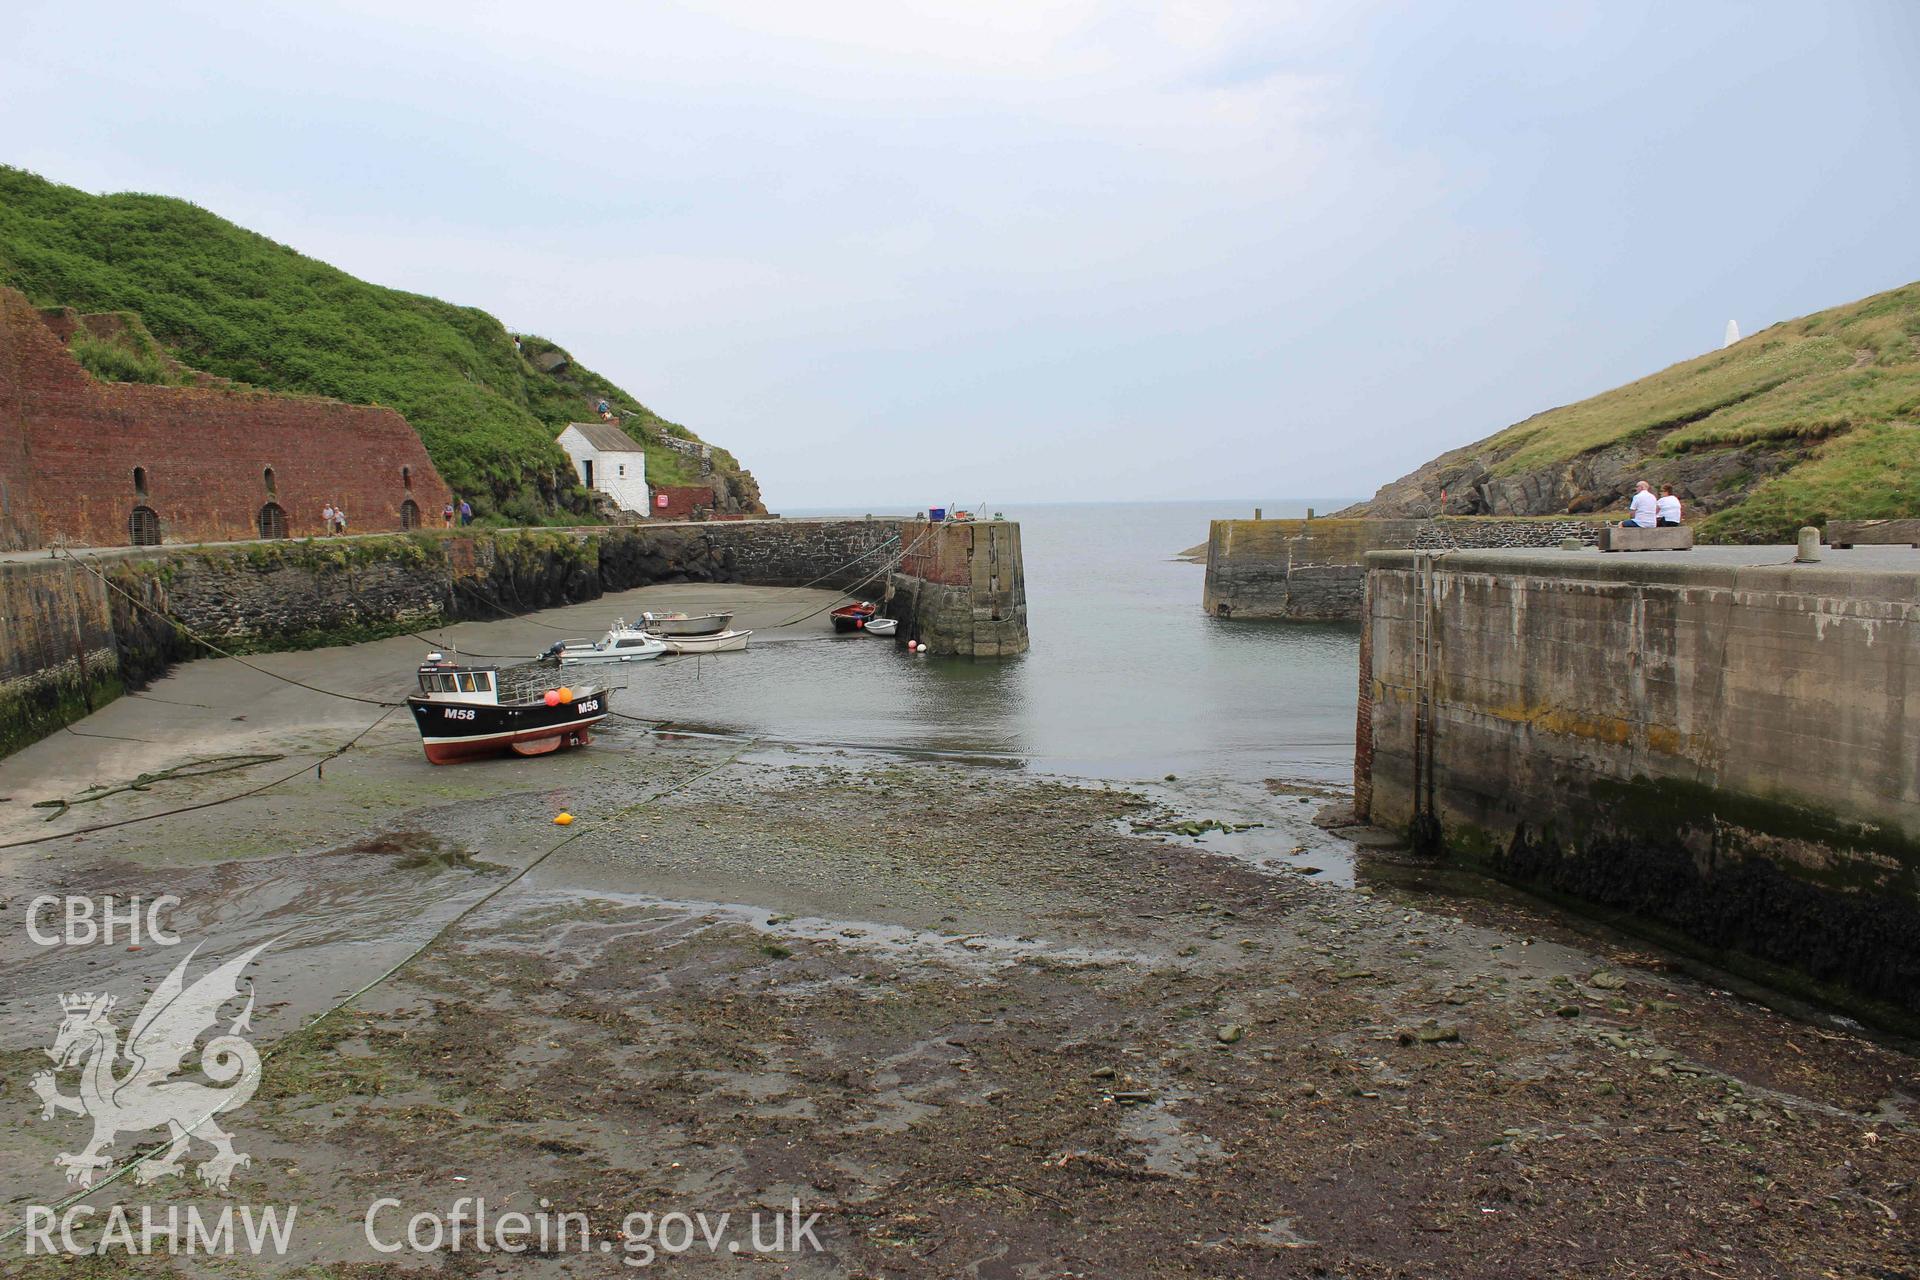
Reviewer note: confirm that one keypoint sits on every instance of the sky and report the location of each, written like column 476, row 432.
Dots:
column 999, row 252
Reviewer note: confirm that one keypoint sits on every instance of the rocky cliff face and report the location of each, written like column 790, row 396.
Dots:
column 1474, row 482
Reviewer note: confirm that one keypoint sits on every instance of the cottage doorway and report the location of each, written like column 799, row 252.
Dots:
column 273, row 521
column 409, row 514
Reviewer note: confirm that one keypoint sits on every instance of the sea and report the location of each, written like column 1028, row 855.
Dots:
column 1127, row 679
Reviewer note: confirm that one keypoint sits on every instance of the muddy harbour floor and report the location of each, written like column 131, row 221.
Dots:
column 982, row 1023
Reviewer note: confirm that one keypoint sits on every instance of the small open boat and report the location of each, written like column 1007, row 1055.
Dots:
column 622, row 643
column 680, row 624
column 467, row 712
column 725, row 642
column 881, row 626
column 853, row 617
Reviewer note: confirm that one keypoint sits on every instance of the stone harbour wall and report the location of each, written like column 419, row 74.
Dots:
column 76, row 631
column 1727, row 754
column 961, row 588
column 1315, row 570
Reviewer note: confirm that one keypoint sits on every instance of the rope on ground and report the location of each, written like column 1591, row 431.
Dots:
column 316, row 765
column 138, row 1157
column 144, row 782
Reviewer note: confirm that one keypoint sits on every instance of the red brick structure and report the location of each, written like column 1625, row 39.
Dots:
column 112, row 463
column 683, row 501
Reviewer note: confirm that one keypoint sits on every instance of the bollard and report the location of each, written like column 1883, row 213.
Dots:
column 1309, row 513
column 1809, row 550
column 1256, row 513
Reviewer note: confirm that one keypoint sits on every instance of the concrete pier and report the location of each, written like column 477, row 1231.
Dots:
column 1721, row 743
column 1315, row 570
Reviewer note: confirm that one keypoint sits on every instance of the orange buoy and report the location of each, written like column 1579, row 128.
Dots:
column 562, row 819
column 566, row 694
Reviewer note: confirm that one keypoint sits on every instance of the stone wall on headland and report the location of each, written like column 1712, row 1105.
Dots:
column 1719, row 744
column 1315, row 570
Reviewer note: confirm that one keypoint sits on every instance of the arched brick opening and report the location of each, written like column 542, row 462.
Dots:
column 409, row 514
column 143, row 527
column 273, row 519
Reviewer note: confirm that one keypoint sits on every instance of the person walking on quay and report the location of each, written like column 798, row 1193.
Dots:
column 1646, row 510
column 326, row 518
column 340, row 517
column 1667, row 509
column 466, row 512
column 446, row 514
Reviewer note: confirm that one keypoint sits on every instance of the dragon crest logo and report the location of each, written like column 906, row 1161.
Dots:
column 142, row 1097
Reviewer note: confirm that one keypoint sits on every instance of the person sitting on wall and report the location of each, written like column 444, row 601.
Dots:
column 1667, row 509
column 1646, row 510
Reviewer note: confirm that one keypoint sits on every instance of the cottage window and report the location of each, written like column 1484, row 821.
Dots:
column 406, row 478
column 267, row 476
column 140, row 481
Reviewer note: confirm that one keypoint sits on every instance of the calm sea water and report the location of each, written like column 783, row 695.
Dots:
column 1126, row 679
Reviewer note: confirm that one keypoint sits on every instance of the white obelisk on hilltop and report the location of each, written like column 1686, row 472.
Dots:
column 1733, row 334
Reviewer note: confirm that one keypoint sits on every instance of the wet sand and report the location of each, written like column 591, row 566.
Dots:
column 985, row 1023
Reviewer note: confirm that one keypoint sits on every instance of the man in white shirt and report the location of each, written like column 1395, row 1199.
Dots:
column 1646, row 512
column 1667, row 508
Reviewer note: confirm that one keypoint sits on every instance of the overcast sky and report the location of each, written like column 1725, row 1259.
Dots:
column 918, row 252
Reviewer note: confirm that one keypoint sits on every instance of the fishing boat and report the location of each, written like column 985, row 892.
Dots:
column 466, row 712
column 622, row 643
column 680, row 624
column 853, row 617
column 724, row 642
column 881, row 626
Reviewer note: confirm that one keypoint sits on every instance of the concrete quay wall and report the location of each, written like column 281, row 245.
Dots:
column 1315, row 570
column 1720, row 744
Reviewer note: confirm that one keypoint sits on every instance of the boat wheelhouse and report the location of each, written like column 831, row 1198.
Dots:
column 464, row 712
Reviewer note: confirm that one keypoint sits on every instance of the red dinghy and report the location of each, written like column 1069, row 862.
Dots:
column 853, row 617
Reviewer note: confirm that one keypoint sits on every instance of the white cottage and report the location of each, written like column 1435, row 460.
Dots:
column 609, row 460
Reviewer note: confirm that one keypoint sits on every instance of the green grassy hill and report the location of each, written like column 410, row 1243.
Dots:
column 1808, row 420
column 220, row 298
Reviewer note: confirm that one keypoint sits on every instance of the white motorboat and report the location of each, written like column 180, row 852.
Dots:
column 724, row 642
column 680, row 624
column 622, row 643
column 881, row 626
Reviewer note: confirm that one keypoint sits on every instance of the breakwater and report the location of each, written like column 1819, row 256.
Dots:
column 1718, row 744
column 1315, row 570
column 77, row 632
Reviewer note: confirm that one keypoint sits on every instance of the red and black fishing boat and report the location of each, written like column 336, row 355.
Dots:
column 853, row 617
column 466, row 712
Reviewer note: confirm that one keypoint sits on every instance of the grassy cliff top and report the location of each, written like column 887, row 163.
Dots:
column 225, row 300
column 1808, row 420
